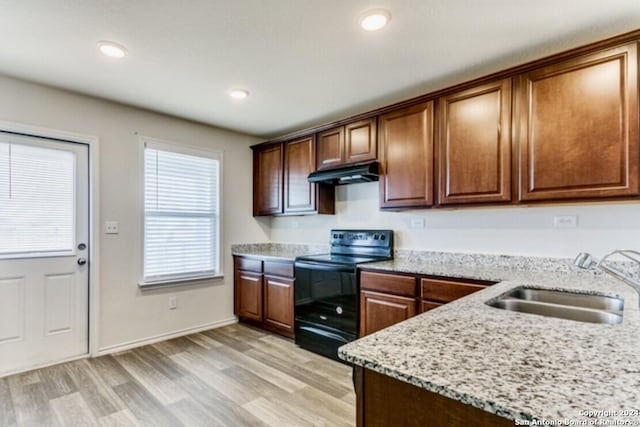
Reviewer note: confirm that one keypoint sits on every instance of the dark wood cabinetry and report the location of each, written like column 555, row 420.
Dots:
column 330, row 148
column 562, row 128
column 278, row 302
column 406, row 157
column 300, row 196
column 280, row 183
column 267, row 180
column 352, row 143
column 474, row 145
column 411, row 406
column 264, row 293
column 579, row 127
column 249, row 294
column 379, row 310
column 388, row 298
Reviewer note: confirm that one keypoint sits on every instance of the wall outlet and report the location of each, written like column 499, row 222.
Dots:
column 417, row 223
column 173, row 303
column 111, row 227
column 565, row 221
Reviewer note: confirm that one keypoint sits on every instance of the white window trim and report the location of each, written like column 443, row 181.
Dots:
column 145, row 141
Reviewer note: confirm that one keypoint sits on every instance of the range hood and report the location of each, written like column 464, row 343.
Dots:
column 366, row 172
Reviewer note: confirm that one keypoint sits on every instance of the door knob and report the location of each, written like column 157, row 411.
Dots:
column 82, row 261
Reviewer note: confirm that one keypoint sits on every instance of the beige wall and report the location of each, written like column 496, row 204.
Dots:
column 505, row 230
column 126, row 313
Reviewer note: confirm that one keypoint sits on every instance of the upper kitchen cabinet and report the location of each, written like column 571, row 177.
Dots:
column 268, row 180
column 300, row 196
column 474, row 145
column 406, row 157
column 579, row 127
column 280, row 185
column 353, row 143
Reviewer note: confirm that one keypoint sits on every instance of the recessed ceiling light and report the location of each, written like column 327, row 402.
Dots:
column 238, row 93
column 111, row 49
column 374, row 20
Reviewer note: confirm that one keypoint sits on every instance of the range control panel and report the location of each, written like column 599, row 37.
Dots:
column 375, row 238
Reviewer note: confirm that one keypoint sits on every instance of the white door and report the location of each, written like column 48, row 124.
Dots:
column 44, row 265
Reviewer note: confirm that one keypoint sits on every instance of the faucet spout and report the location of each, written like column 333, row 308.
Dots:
column 586, row 261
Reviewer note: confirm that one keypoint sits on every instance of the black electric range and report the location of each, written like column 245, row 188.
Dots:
column 326, row 288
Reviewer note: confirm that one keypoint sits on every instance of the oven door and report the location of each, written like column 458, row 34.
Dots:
column 326, row 296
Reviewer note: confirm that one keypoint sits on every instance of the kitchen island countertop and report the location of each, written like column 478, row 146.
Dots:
column 516, row 365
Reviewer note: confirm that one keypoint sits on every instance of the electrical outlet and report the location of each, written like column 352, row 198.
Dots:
column 417, row 223
column 111, row 227
column 173, row 303
column 565, row 221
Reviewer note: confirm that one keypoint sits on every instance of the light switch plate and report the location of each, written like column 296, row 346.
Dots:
column 111, row 227
column 565, row 221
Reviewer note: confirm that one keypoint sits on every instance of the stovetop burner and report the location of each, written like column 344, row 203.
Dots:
column 350, row 247
column 340, row 259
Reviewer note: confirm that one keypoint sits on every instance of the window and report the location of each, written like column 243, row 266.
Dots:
column 37, row 200
column 181, row 213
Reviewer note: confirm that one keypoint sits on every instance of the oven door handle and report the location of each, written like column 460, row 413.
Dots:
column 310, row 265
column 323, row 333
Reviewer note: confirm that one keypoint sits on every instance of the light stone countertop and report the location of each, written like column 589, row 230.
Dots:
column 516, row 365
column 280, row 251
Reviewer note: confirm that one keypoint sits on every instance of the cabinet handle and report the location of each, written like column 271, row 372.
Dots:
column 283, row 285
column 251, row 279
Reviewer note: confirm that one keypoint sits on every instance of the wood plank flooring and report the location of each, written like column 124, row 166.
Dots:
column 231, row 376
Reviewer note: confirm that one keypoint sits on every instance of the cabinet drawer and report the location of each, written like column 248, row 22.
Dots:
column 248, row 264
column 428, row 305
column 278, row 268
column 391, row 283
column 446, row 290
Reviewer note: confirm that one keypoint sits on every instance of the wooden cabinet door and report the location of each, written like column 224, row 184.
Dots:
column 278, row 302
column 406, row 154
column 378, row 310
column 360, row 141
column 330, row 148
column 267, row 180
column 248, row 288
column 300, row 161
column 429, row 305
column 579, row 127
column 447, row 290
column 474, row 145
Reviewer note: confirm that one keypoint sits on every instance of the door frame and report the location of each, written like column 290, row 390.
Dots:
column 94, row 213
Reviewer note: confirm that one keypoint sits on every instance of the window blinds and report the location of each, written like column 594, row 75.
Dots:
column 181, row 214
column 37, row 205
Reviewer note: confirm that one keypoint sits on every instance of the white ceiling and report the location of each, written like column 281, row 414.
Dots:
column 305, row 62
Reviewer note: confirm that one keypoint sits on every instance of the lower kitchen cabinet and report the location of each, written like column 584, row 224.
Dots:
column 278, row 302
column 248, row 294
column 263, row 293
column 412, row 406
column 389, row 298
column 378, row 310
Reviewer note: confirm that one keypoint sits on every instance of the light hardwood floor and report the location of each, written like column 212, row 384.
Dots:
column 231, row 376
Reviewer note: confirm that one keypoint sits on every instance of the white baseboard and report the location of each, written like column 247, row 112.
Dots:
column 163, row 337
column 43, row 365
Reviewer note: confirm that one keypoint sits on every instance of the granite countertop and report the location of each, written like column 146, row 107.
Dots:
column 280, row 251
column 516, row 365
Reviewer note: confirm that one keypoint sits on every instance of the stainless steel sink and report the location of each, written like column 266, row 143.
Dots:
column 563, row 305
column 597, row 302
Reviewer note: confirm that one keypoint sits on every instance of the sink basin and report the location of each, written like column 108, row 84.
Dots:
column 563, row 305
column 598, row 302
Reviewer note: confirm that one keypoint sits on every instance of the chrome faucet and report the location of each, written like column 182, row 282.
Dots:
column 586, row 261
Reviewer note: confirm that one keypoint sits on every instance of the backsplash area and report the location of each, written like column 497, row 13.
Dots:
column 526, row 230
